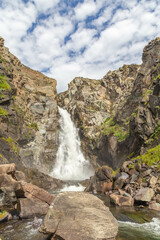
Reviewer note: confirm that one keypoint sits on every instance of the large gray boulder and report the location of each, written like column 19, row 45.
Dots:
column 79, row 216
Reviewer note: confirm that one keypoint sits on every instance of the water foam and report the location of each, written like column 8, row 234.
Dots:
column 149, row 229
column 70, row 163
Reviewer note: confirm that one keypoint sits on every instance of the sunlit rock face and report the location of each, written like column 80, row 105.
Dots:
column 118, row 115
column 28, row 114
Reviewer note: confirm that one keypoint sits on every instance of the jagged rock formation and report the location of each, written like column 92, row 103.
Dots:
column 28, row 114
column 118, row 116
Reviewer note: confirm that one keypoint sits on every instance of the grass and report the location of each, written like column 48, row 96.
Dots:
column 110, row 127
column 4, row 84
column 151, row 157
column 3, row 112
column 10, row 141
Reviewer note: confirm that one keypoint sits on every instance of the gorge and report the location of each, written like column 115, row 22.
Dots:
column 118, row 146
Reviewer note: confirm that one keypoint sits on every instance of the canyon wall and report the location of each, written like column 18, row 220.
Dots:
column 28, row 114
column 118, row 115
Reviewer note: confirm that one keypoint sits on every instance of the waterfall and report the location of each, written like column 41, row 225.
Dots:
column 70, row 163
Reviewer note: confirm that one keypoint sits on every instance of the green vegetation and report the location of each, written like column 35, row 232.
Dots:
column 34, row 126
column 10, row 141
column 151, row 157
column 4, row 84
column 3, row 112
column 110, row 127
column 158, row 77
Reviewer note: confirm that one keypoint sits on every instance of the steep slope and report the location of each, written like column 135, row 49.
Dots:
column 28, row 114
column 118, row 116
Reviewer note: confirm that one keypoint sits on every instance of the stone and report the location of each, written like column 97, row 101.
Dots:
column 103, row 187
column 153, row 181
column 31, row 207
column 32, row 191
column 80, row 216
column 121, row 200
column 147, row 172
column 124, row 176
column 158, row 198
column 107, row 172
column 7, row 168
column 144, row 194
column 118, row 184
column 19, row 176
column 154, row 206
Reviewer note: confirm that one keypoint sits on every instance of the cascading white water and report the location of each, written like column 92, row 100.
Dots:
column 70, row 163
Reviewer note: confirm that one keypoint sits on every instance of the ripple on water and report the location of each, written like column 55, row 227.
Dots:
column 136, row 231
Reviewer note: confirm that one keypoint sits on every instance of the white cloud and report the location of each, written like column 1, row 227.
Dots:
column 116, row 35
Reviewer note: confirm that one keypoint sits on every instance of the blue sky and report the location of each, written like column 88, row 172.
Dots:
column 87, row 38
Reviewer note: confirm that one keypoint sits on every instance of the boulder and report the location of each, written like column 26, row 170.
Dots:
column 80, row 216
column 144, row 194
column 31, row 207
column 153, row 181
column 121, row 200
column 9, row 186
column 158, row 198
column 7, row 168
column 32, row 191
column 102, row 187
column 154, row 206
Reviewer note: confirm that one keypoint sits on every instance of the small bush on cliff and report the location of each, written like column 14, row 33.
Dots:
column 4, row 84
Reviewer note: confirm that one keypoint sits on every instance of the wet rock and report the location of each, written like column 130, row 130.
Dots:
column 79, row 216
column 121, row 200
column 144, row 194
column 29, row 208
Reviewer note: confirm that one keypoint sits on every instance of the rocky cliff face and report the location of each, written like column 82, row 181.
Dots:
column 28, row 114
column 118, row 116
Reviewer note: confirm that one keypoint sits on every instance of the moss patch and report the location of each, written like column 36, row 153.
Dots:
column 4, row 84
column 10, row 141
column 151, row 157
column 110, row 127
column 3, row 112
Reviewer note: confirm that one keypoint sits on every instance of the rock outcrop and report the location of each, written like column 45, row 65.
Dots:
column 79, row 216
column 136, row 182
column 27, row 198
column 28, row 115
column 118, row 116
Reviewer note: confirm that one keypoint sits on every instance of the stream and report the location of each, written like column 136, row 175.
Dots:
column 134, row 223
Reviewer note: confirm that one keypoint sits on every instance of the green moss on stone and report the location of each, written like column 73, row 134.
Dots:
column 10, row 141
column 4, row 84
column 3, row 112
column 152, row 157
column 110, row 127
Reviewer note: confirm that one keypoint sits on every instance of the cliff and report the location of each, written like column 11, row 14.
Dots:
column 28, row 114
column 118, row 115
